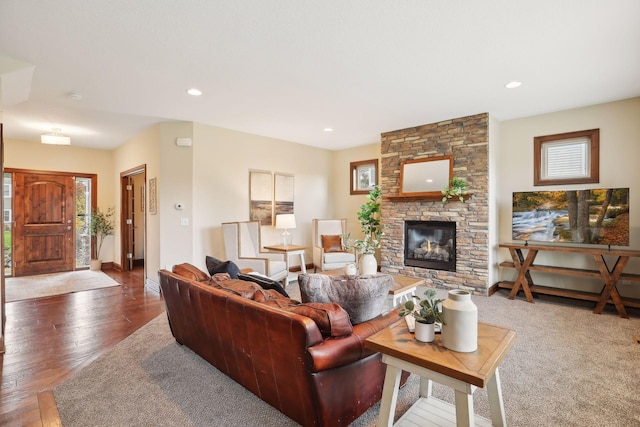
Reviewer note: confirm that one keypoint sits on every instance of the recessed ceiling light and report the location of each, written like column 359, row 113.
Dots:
column 194, row 92
column 513, row 85
column 328, row 129
column 75, row 96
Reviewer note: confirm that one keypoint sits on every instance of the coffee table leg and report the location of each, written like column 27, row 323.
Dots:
column 496, row 405
column 464, row 409
column 389, row 396
column 425, row 387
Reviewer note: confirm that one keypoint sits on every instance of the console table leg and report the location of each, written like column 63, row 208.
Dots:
column 464, row 409
column 610, row 278
column 496, row 405
column 389, row 396
column 524, row 279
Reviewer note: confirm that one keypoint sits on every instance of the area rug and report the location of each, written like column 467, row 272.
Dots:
column 46, row 285
column 568, row 367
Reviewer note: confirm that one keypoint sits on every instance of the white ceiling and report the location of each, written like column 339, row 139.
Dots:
column 290, row 68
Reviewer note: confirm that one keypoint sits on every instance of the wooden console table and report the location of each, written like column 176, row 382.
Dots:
column 610, row 276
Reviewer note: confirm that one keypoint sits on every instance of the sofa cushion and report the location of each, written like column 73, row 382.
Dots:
column 363, row 297
column 215, row 266
column 331, row 243
column 264, row 282
column 239, row 287
column 191, row 272
column 331, row 319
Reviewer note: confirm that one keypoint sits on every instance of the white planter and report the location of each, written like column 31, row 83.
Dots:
column 95, row 265
column 425, row 332
column 460, row 322
column 368, row 264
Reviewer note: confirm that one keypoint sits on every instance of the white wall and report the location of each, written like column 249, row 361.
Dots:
column 222, row 159
column 619, row 124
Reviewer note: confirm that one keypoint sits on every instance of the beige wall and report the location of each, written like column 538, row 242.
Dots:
column 222, row 159
column 619, row 124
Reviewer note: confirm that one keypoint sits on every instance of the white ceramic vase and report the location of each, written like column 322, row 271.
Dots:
column 368, row 264
column 460, row 322
column 350, row 269
column 425, row 332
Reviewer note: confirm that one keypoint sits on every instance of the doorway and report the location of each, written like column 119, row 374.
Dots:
column 45, row 221
column 133, row 222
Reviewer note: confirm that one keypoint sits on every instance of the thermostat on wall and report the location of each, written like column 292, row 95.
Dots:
column 183, row 142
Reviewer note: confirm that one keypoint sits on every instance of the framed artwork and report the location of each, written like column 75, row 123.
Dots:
column 567, row 158
column 153, row 202
column 364, row 176
column 284, row 193
column 261, row 197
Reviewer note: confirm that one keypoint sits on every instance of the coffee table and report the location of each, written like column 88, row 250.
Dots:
column 464, row 372
column 402, row 290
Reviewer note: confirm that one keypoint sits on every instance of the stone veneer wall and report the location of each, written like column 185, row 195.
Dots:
column 467, row 140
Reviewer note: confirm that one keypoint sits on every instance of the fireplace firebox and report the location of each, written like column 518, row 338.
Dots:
column 430, row 244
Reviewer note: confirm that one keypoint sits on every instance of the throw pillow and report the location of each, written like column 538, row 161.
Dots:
column 363, row 297
column 190, row 272
column 240, row 287
column 331, row 319
column 264, row 282
column 215, row 267
column 331, row 243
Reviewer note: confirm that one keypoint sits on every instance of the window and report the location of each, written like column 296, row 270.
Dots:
column 7, row 215
column 567, row 158
column 364, row 176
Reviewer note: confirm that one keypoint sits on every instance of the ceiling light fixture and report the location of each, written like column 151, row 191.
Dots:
column 328, row 129
column 194, row 92
column 55, row 138
column 75, row 96
column 512, row 85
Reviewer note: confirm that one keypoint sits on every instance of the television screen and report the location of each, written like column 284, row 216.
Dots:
column 599, row 217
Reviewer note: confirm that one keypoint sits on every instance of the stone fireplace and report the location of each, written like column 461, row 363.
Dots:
column 467, row 140
column 430, row 244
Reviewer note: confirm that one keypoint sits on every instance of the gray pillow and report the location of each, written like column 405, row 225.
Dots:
column 363, row 297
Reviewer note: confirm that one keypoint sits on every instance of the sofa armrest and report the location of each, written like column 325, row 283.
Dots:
column 335, row 352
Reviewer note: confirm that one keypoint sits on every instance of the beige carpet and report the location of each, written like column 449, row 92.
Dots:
column 45, row 285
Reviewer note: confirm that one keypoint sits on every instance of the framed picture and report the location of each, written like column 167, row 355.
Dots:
column 153, row 201
column 283, row 193
column 364, row 176
column 261, row 197
column 567, row 158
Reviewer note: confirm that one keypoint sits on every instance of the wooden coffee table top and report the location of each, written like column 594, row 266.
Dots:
column 474, row 368
column 400, row 283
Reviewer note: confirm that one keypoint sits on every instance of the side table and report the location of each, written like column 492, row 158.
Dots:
column 464, row 372
column 289, row 250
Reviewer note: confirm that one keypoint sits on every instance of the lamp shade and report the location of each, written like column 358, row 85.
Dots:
column 285, row 221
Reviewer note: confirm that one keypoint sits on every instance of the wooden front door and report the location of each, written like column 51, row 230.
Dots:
column 44, row 209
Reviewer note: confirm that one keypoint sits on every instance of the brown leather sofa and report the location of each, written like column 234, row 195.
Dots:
column 279, row 355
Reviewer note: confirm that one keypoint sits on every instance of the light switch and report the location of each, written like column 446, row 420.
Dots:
column 184, row 221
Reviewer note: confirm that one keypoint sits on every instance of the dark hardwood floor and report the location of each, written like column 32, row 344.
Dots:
column 47, row 340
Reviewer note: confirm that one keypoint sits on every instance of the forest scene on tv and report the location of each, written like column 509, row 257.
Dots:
column 599, row 217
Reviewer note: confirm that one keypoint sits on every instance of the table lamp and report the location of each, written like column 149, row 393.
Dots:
column 285, row 221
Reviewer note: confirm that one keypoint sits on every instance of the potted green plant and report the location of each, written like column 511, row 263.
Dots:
column 369, row 217
column 457, row 188
column 101, row 226
column 426, row 313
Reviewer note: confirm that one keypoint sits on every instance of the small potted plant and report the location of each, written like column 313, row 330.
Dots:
column 426, row 313
column 369, row 217
column 456, row 188
column 101, row 226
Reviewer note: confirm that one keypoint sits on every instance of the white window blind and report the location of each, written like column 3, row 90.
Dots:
column 565, row 159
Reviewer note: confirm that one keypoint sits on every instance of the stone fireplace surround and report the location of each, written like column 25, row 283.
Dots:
column 467, row 140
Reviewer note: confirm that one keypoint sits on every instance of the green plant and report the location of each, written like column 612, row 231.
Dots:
column 426, row 311
column 457, row 188
column 102, row 225
column 369, row 217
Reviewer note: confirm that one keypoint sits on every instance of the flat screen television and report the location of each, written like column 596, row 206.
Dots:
column 597, row 216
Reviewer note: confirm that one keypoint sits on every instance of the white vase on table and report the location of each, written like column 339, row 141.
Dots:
column 460, row 322
column 425, row 332
column 368, row 264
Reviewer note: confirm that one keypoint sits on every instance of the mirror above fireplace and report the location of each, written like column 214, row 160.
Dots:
column 425, row 177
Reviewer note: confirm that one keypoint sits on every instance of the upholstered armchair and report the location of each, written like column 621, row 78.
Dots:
column 330, row 255
column 242, row 246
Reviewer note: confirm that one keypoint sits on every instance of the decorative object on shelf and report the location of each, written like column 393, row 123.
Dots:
column 285, row 221
column 426, row 314
column 350, row 269
column 457, row 188
column 101, row 226
column 369, row 217
column 460, row 322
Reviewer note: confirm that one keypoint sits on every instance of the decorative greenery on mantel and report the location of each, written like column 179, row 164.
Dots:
column 456, row 188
